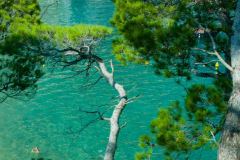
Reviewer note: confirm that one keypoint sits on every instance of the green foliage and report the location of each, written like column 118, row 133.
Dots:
column 18, row 11
column 167, row 129
column 164, row 32
column 181, row 130
column 167, row 33
column 143, row 155
column 149, row 30
column 33, row 36
column 25, row 42
column 18, row 73
column 58, row 35
column 200, row 99
column 145, row 142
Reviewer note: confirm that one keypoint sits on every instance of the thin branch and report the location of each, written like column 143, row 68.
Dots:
column 216, row 52
column 204, row 74
column 46, row 8
column 123, row 125
column 204, row 50
column 212, row 40
column 223, row 61
column 2, row 99
column 214, row 47
column 130, row 100
column 94, row 83
column 106, row 119
column 218, row 56
column 214, row 138
column 100, row 115
column 111, row 64
column 204, row 63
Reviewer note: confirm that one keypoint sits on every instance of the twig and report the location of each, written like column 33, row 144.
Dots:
column 204, row 63
column 214, row 138
column 46, row 8
column 123, row 125
column 217, row 54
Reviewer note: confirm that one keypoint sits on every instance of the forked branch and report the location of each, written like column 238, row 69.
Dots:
column 114, row 120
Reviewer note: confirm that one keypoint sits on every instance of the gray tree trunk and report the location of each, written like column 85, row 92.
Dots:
column 114, row 120
column 229, row 148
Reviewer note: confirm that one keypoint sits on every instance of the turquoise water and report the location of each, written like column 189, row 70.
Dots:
column 52, row 119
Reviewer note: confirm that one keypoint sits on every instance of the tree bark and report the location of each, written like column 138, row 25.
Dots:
column 114, row 120
column 229, row 148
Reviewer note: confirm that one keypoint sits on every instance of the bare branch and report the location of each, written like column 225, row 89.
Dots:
column 106, row 119
column 47, row 7
column 100, row 115
column 123, row 125
column 214, row 138
column 111, row 64
column 218, row 56
column 130, row 100
column 69, row 56
column 223, row 61
column 203, row 50
column 212, row 40
column 216, row 52
column 204, row 63
column 214, row 47
column 204, row 74
column 114, row 121
column 95, row 82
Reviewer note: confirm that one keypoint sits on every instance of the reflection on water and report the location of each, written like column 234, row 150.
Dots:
column 53, row 120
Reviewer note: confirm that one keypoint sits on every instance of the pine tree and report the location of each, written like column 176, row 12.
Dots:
column 26, row 43
column 186, row 39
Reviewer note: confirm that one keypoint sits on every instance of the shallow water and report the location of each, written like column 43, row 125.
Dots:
column 52, row 119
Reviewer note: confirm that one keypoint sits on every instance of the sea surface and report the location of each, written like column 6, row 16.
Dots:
column 54, row 119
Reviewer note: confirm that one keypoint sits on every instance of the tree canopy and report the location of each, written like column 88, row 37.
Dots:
column 181, row 39
column 26, row 43
column 168, row 32
column 17, row 78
